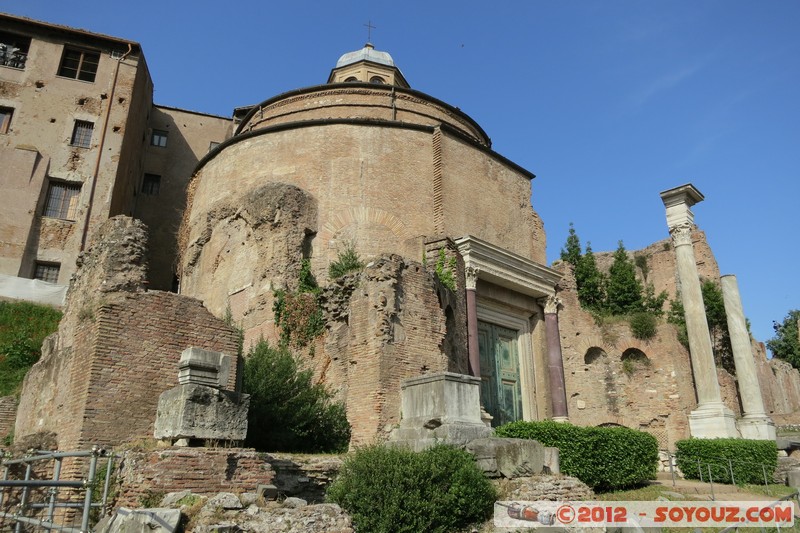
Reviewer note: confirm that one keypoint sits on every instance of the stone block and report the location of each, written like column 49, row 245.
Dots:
column 199, row 412
column 440, row 408
column 713, row 421
column 224, row 500
column 508, row 458
column 552, row 460
column 793, row 478
column 755, row 427
column 441, row 398
column 204, row 367
column 171, row 499
column 140, row 521
column 421, row 438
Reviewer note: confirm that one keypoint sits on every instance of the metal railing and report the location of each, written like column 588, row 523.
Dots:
column 794, row 496
column 705, row 471
column 43, row 513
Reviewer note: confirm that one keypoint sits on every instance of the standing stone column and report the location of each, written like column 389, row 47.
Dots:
column 555, row 362
column 755, row 424
column 471, row 282
column 712, row 418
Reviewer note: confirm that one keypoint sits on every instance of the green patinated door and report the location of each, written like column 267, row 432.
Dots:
column 501, row 393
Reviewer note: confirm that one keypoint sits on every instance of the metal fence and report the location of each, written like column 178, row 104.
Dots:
column 710, row 468
column 21, row 495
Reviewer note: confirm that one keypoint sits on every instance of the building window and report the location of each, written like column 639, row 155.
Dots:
column 82, row 134
column 159, row 138
column 62, row 200
column 151, row 184
column 351, row 79
column 212, row 145
column 5, row 118
column 79, row 64
column 377, row 79
column 47, row 272
column 13, row 50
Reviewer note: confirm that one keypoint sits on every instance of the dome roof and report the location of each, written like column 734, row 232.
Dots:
column 368, row 53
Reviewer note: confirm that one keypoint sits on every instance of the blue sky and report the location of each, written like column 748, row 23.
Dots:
column 607, row 102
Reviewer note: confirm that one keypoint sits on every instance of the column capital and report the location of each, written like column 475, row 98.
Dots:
column 551, row 304
column 681, row 234
column 471, row 277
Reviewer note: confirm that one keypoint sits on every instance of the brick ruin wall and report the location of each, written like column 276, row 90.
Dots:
column 203, row 471
column 207, row 471
column 8, row 413
column 117, row 348
column 393, row 326
column 655, row 398
column 661, row 269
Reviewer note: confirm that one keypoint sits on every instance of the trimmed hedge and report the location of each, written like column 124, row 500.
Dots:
column 388, row 489
column 603, row 458
column 749, row 459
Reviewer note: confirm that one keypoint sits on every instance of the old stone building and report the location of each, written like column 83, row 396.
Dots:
column 81, row 141
column 454, row 277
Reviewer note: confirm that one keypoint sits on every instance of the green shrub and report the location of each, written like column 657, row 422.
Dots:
column 643, row 325
column 287, row 411
column 347, row 260
column 603, row 458
column 298, row 313
column 634, row 360
column 445, row 270
column 387, row 489
column 749, row 459
column 23, row 327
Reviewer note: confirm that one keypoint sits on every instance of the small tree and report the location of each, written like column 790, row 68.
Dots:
column 717, row 324
column 786, row 344
column 347, row 260
column 571, row 253
column 298, row 313
column 590, row 281
column 652, row 303
column 623, row 290
column 287, row 411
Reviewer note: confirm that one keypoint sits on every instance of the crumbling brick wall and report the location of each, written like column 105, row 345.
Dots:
column 204, row 471
column 117, row 347
column 655, row 397
column 8, row 412
column 393, row 328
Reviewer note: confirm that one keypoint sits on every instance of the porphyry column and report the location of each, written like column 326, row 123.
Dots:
column 755, row 424
column 555, row 362
column 712, row 418
column 471, row 282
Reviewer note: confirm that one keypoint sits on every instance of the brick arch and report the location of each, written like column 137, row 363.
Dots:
column 593, row 354
column 363, row 215
column 588, row 342
column 634, row 353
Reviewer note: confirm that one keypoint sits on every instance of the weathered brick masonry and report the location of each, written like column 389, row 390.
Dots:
column 117, row 348
column 199, row 470
column 8, row 412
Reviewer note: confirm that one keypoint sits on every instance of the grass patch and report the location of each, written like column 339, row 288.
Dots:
column 23, row 327
column 645, row 493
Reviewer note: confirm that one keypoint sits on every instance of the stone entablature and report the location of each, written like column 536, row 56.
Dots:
column 501, row 267
column 360, row 100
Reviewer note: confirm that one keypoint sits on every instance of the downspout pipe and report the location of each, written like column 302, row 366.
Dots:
column 100, row 148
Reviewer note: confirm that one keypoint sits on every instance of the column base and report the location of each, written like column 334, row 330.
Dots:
column 561, row 419
column 712, row 421
column 757, row 427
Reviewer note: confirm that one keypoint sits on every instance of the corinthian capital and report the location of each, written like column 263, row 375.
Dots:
column 551, row 304
column 471, row 277
column 681, row 234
